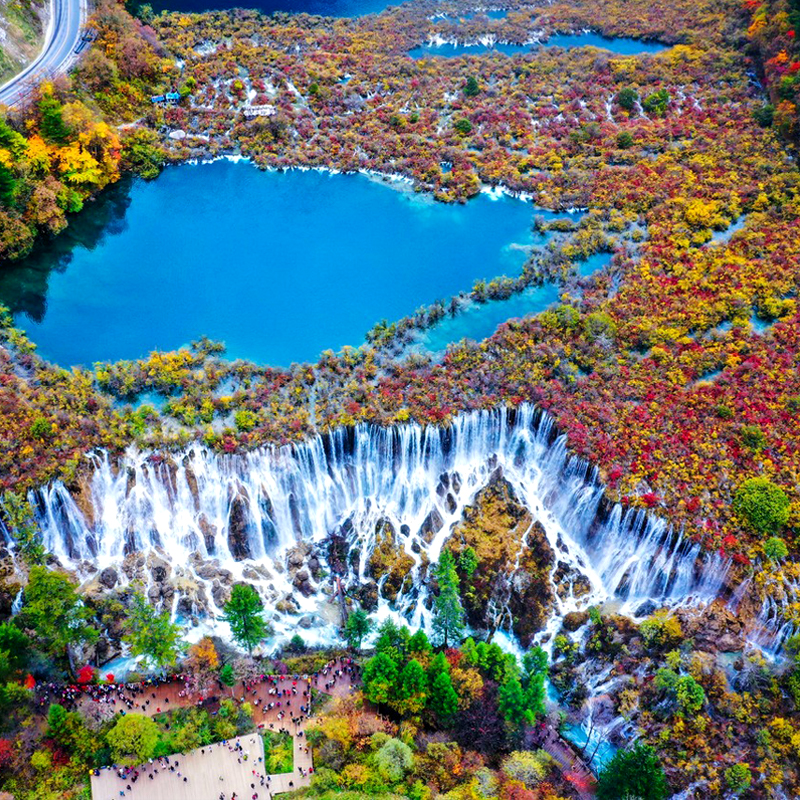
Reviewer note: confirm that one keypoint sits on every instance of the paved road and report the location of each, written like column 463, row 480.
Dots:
column 63, row 36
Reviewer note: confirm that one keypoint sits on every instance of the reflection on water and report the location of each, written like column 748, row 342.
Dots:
column 24, row 284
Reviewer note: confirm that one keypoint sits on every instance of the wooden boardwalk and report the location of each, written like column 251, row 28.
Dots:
column 574, row 771
column 209, row 772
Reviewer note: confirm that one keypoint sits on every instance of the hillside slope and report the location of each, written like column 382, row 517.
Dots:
column 22, row 27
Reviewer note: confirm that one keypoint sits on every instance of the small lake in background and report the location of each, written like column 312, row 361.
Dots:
column 280, row 266
column 624, row 47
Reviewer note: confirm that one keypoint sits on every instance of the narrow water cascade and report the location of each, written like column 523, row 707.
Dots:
column 211, row 519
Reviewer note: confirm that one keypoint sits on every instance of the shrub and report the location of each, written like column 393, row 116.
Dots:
column 471, row 88
column 41, row 428
column 661, row 630
column 764, row 115
column 753, row 437
column 723, row 411
column 690, row 695
column 599, row 324
column 763, row 504
column 527, row 767
column 775, row 548
column 627, row 97
column 245, row 419
column 624, row 140
column 394, row 760
column 656, row 103
column 738, row 777
column 462, row 126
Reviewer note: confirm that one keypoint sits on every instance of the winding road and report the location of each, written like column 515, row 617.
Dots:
column 62, row 39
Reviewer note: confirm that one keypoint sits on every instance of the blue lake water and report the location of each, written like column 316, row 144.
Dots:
column 280, row 266
column 625, row 47
column 478, row 321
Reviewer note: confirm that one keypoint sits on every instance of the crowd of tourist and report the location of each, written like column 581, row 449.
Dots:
column 288, row 696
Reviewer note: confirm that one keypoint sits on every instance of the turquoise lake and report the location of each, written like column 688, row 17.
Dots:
column 624, row 47
column 280, row 266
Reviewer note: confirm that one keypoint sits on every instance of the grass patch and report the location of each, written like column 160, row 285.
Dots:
column 278, row 753
column 184, row 729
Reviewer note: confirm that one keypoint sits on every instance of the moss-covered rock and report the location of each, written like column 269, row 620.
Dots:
column 511, row 585
column 389, row 560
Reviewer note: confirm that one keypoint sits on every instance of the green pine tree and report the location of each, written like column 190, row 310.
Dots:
column 443, row 700
column 419, row 643
column 448, row 613
column 633, row 773
column 358, row 625
column 412, row 693
column 513, row 704
column 226, row 676
column 244, row 614
column 53, row 126
column 380, row 679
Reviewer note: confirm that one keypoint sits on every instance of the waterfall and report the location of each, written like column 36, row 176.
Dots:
column 245, row 512
column 16, row 606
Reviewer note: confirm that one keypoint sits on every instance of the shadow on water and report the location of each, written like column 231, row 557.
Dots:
column 24, row 284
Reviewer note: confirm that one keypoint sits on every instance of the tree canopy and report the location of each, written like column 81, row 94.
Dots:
column 152, row 634
column 633, row 773
column 55, row 611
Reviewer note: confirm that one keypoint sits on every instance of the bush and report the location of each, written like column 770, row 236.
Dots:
column 763, row 504
column 529, row 768
column 626, row 98
column 394, row 760
column 764, row 115
column 462, row 126
column 656, row 103
column 690, row 695
column 471, row 88
column 599, row 324
column 624, row 140
column 775, row 548
column 753, row 437
column 245, row 419
column 738, row 777
column 723, row 411
column 661, row 630
column 41, row 428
